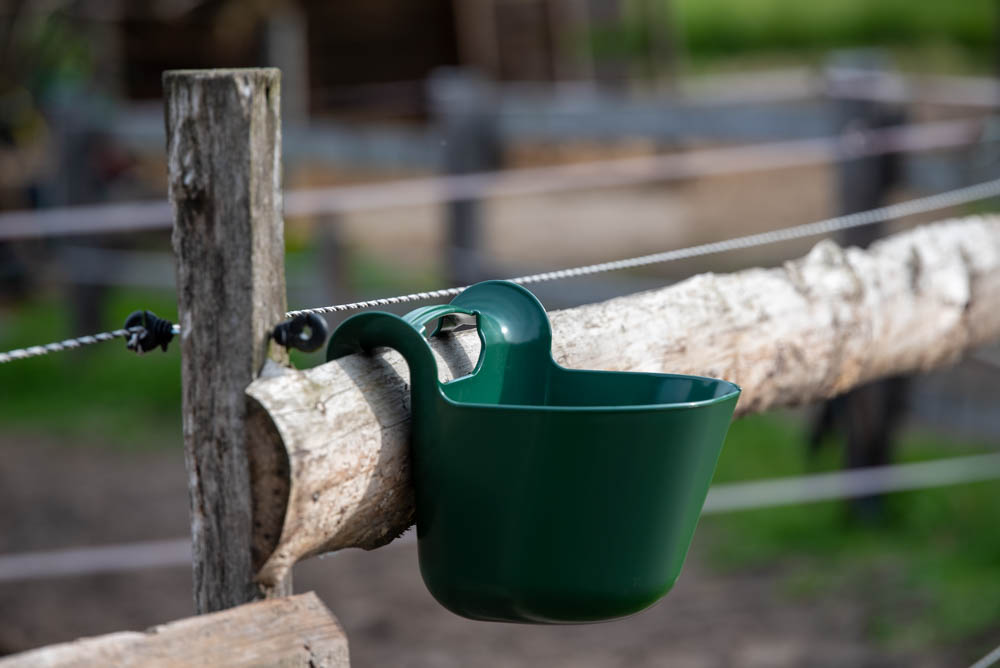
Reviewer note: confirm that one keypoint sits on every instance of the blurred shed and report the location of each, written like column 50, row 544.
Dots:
column 360, row 56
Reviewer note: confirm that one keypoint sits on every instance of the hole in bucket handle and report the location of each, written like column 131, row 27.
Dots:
column 445, row 318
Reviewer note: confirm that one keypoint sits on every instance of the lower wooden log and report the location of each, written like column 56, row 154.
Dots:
column 795, row 334
column 293, row 631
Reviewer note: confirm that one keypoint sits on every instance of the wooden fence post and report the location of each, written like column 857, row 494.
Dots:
column 463, row 103
column 863, row 183
column 868, row 415
column 224, row 162
column 329, row 239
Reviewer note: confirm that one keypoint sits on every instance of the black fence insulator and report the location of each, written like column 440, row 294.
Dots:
column 306, row 332
column 158, row 332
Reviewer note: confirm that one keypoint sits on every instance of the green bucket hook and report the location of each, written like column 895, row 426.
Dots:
column 545, row 494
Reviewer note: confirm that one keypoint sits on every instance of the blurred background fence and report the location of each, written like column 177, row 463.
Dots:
column 438, row 143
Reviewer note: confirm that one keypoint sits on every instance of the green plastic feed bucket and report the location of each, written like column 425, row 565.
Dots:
column 545, row 494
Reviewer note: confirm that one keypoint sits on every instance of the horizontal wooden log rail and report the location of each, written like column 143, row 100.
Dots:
column 293, row 631
column 337, row 464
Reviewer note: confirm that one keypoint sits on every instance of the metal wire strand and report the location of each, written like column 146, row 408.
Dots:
column 990, row 659
column 921, row 205
column 70, row 344
column 936, row 202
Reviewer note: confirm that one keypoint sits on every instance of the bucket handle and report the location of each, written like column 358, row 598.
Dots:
column 366, row 331
column 512, row 325
column 448, row 317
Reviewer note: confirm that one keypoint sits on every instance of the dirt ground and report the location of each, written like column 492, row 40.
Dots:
column 59, row 495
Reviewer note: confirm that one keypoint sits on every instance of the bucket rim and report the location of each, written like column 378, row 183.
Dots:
column 733, row 392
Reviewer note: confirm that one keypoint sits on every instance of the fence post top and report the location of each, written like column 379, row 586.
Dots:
column 224, row 73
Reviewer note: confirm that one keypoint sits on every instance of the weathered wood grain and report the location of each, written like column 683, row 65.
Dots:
column 790, row 335
column 295, row 631
column 224, row 163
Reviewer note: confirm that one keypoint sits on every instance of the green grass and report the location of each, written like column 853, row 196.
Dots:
column 928, row 569
column 102, row 393
column 746, row 34
column 737, row 26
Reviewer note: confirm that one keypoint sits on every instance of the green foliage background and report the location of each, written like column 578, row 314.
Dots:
column 734, row 26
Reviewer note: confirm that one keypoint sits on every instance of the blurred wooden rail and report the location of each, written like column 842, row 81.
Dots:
column 790, row 335
column 909, row 139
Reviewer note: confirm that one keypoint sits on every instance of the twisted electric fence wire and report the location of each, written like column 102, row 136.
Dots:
column 921, row 205
column 70, row 344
